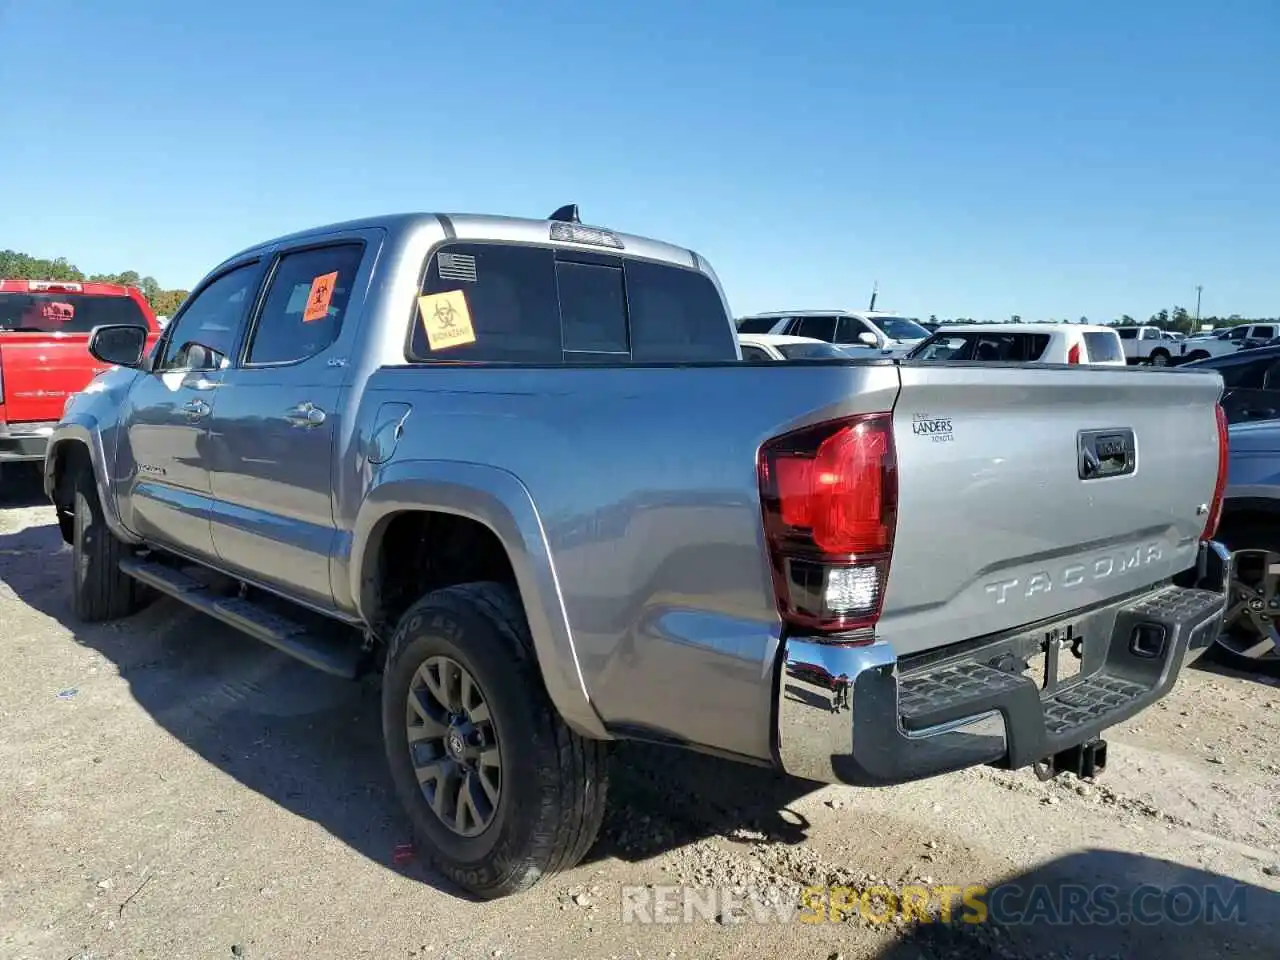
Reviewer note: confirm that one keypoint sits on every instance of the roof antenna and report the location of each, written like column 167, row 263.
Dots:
column 566, row 214
column 875, row 288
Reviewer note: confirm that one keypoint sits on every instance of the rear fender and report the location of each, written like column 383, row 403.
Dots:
column 498, row 500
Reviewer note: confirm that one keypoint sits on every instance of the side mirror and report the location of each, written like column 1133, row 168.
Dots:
column 869, row 339
column 118, row 344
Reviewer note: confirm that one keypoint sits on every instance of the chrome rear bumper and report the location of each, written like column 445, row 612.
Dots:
column 856, row 714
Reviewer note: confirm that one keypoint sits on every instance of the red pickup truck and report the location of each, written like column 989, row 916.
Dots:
column 44, row 335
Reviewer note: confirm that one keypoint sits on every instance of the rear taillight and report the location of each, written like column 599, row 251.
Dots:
column 830, row 495
column 1073, row 355
column 1220, row 485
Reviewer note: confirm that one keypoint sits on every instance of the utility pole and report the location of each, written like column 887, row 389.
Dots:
column 875, row 288
column 1198, row 289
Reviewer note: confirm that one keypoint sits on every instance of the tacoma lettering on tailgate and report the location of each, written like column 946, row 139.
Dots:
column 1075, row 574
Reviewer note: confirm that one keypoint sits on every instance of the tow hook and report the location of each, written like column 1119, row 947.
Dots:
column 1085, row 760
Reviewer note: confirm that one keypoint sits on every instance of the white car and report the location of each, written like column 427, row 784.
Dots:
column 871, row 330
column 772, row 346
column 1024, row 343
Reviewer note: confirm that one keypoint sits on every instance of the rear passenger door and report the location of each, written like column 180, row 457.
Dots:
column 273, row 431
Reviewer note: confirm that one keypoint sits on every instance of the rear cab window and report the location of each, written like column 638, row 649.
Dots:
column 65, row 312
column 1128, row 333
column 1103, row 347
column 509, row 303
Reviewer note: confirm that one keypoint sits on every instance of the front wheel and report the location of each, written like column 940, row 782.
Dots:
column 99, row 589
column 499, row 791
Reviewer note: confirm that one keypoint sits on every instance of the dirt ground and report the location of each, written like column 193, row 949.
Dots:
column 171, row 789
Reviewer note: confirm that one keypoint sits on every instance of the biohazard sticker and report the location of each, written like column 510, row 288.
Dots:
column 320, row 297
column 446, row 319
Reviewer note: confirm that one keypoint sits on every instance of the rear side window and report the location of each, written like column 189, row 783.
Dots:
column 754, row 354
column 1103, row 347
column 984, row 347
column 306, row 300
column 528, row 305
column 757, row 324
column 66, row 312
column 1263, row 333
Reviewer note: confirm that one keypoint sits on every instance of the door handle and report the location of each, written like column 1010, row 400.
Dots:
column 305, row 414
column 196, row 409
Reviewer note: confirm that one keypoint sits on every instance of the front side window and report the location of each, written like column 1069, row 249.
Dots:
column 811, row 351
column 900, row 328
column 203, row 336
column 850, row 330
column 816, row 328
column 306, row 300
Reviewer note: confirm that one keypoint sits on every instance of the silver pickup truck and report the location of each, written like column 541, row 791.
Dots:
column 520, row 467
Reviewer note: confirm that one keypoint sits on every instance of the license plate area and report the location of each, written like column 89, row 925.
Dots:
column 1054, row 656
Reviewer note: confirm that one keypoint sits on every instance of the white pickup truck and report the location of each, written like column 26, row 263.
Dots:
column 1223, row 342
column 1144, row 344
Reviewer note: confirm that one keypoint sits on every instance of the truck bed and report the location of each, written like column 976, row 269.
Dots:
column 645, row 481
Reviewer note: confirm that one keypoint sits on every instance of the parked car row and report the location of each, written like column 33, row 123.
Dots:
column 519, row 468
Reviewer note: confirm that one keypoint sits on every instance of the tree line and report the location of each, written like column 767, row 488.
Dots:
column 23, row 266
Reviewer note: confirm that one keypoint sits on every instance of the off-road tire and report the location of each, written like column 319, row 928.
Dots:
column 554, row 782
column 99, row 589
column 1159, row 358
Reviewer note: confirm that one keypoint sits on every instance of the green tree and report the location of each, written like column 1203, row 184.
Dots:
column 1181, row 319
column 1016, row 318
column 1160, row 319
column 1126, row 321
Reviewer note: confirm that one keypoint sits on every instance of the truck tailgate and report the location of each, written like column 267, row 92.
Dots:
column 1004, row 520
column 41, row 370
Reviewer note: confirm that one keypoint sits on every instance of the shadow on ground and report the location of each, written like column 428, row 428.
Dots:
column 21, row 485
column 1104, row 903
column 312, row 743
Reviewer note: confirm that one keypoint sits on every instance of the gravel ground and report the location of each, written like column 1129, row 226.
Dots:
column 169, row 788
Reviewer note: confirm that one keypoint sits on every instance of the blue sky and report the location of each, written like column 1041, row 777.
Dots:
column 977, row 159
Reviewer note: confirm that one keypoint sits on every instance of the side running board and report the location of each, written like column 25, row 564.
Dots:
column 330, row 655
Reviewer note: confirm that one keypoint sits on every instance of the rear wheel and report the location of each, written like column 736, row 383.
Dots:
column 1250, row 635
column 1197, row 355
column 1159, row 358
column 499, row 791
column 99, row 589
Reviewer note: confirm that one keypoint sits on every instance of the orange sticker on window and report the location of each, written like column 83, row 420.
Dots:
column 446, row 319
column 319, row 298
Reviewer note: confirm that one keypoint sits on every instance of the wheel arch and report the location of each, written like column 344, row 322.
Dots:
column 76, row 445
column 497, row 502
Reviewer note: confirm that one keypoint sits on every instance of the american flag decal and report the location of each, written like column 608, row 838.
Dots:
column 456, row 266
